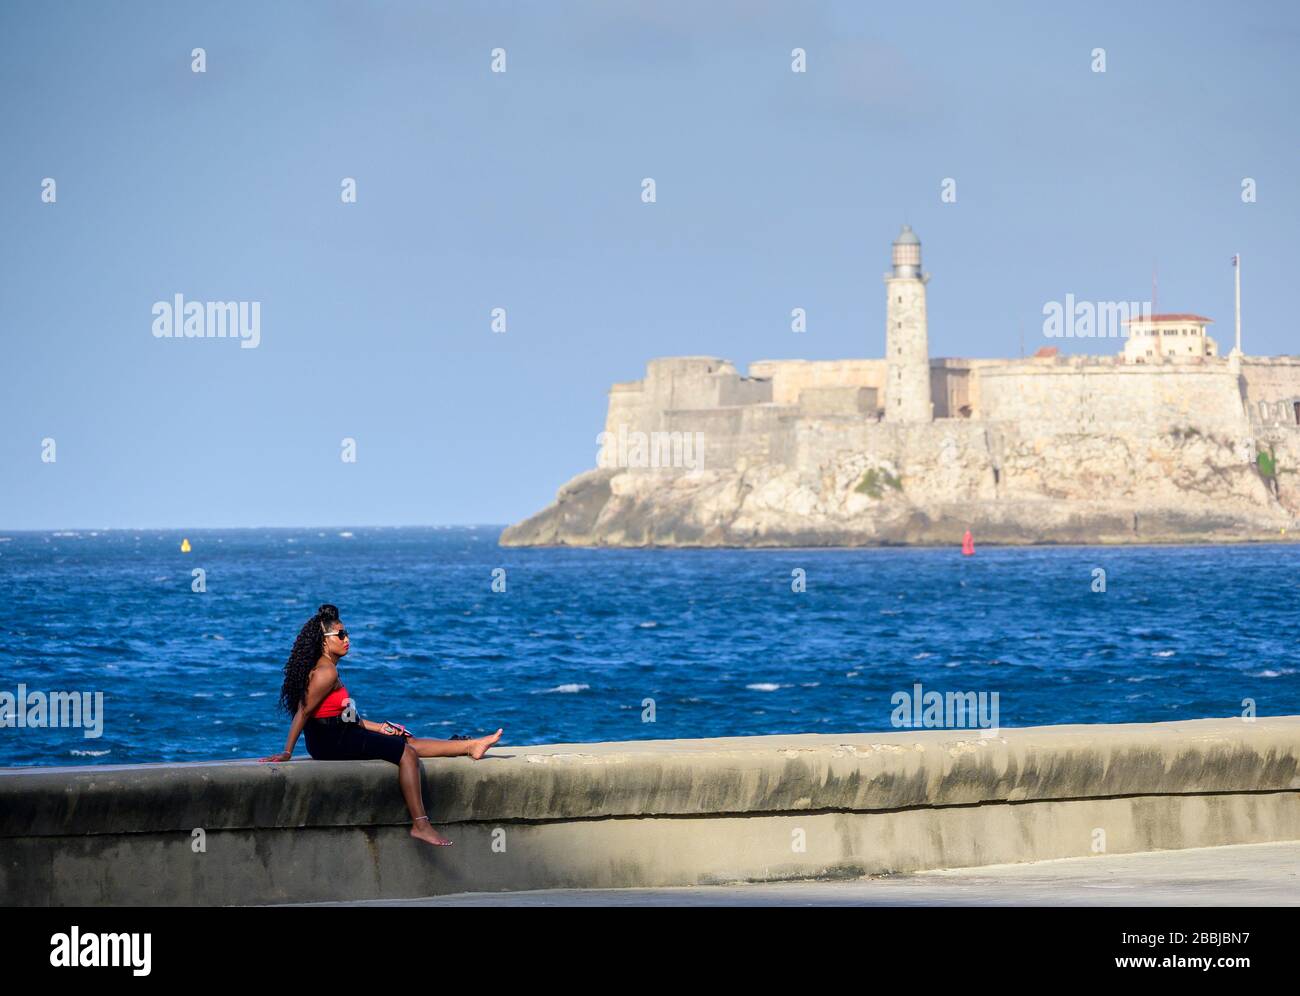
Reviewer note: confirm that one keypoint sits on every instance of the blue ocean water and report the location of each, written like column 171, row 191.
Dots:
column 579, row 639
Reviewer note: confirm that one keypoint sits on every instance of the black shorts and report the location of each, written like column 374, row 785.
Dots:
column 334, row 740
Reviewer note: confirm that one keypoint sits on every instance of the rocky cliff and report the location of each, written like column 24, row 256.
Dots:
column 850, row 482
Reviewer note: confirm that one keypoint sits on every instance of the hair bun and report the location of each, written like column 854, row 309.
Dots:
column 327, row 611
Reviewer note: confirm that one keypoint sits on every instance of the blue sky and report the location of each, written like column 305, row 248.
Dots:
column 522, row 190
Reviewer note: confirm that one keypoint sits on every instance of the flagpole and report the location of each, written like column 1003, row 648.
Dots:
column 1236, row 266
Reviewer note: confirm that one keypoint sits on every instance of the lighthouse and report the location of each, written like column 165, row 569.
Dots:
column 907, row 352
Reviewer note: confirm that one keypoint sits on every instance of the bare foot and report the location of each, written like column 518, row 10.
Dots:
column 421, row 830
column 477, row 748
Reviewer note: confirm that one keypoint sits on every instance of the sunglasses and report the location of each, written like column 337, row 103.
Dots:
column 342, row 634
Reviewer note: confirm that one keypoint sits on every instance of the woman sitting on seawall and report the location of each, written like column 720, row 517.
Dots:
column 317, row 699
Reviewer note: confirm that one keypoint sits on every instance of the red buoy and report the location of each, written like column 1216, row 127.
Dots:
column 968, row 545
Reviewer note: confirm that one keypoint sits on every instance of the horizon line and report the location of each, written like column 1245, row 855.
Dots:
column 124, row 529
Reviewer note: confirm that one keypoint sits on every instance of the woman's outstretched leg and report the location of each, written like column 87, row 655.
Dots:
column 408, row 777
column 453, row 748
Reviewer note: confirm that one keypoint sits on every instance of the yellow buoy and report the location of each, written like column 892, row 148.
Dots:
column 185, row 546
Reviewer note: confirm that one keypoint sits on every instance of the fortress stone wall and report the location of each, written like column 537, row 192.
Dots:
column 1047, row 449
column 1081, row 395
column 789, row 378
column 1272, row 389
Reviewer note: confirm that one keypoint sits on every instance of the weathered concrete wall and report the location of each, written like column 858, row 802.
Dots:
column 648, row 813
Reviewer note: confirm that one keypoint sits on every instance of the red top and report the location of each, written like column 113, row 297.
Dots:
column 1181, row 316
column 333, row 703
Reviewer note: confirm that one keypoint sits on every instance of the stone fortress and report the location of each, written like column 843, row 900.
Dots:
column 1167, row 441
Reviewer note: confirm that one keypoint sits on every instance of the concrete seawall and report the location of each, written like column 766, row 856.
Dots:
column 643, row 813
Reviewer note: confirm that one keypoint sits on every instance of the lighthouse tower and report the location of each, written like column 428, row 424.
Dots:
column 907, row 353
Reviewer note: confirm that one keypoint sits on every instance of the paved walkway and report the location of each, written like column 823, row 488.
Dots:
column 1243, row 875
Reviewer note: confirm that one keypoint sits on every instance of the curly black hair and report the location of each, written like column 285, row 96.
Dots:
column 303, row 657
